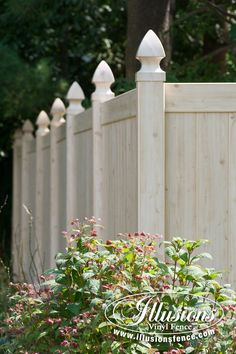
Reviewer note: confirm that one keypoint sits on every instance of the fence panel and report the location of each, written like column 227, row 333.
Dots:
column 200, row 168
column 83, row 164
column 160, row 158
column 119, row 125
column 197, row 179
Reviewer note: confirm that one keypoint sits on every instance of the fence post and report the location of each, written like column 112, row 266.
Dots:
column 151, row 135
column 42, row 123
column 24, row 260
column 102, row 79
column 16, row 217
column 58, row 110
column 75, row 96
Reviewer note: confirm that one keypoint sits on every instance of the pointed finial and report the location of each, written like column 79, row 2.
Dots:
column 150, row 53
column 58, row 110
column 42, row 123
column 28, row 128
column 102, row 79
column 17, row 137
column 75, row 96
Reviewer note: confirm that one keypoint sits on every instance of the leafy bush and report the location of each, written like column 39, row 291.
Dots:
column 65, row 314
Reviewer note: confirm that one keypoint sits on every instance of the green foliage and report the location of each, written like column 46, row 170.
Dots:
column 44, row 47
column 204, row 41
column 4, row 284
column 66, row 314
column 4, row 293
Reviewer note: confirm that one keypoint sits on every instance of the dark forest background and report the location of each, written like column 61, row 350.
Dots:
column 47, row 44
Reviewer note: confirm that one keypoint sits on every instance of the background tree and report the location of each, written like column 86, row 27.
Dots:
column 204, row 41
column 142, row 16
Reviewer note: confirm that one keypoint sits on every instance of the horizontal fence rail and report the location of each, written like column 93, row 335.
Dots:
column 160, row 158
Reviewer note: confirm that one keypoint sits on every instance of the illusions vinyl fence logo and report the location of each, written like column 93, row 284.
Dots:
column 164, row 314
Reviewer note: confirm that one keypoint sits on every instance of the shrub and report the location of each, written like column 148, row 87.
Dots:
column 65, row 314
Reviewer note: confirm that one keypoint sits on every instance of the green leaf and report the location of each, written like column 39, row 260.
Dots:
column 193, row 272
column 42, row 334
column 88, row 275
column 94, row 285
column 62, row 279
column 170, row 252
column 115, row 345
column 181, row 262
column 163, row 267
column 104, row 324
column 129, row 257
column 96, row 301
column 74, row 308
column 200, row 256
column 184, row 256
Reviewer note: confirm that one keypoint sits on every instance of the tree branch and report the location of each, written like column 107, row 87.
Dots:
column 214, row 53
column 220, row 11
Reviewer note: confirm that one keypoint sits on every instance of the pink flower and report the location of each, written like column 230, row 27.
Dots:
column 139, row 249
column 93, row 233
column 58, row 320
column 107, row 286
column 50, row 321
column 65, row 343
column 74, row 331
column 74, row 344
column 166, row 286
column 87, row 315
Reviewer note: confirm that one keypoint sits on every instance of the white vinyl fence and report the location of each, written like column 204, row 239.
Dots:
column 160, row 158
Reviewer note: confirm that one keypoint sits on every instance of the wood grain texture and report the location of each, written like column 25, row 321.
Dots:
column 212, row 184
column 120, row 107
column 200, row 97
column 232, row 200
column 83, row 192
column 120, row 177
column 197, row 181
column 28, row 195
column 46, row 209
column 180, row 175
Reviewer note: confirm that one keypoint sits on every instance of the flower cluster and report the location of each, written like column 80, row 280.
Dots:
column 65, row 312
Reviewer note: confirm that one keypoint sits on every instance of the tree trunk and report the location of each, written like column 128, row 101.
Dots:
column 142, row 16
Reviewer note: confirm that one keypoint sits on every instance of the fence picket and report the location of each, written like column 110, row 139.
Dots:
column 151, row 135
column 75, row 96
column 26, row 208
column 58, row 110
column 102, row 79
column 42, row 123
